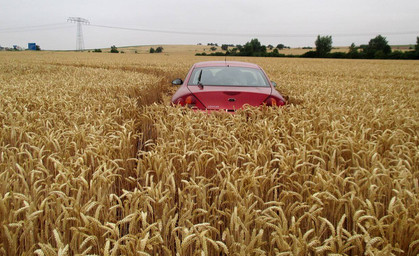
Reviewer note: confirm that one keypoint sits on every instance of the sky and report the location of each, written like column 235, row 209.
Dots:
column 294, row 23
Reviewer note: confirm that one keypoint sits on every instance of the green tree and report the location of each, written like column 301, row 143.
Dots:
column 274, row 53
column 253, row 48
column 352, row 48
column 114, row 49
column 353, row 51
column 280, row 46
column 152, row 50
column 378, row 47
column 417, row 44
column 159, row 49
column 323, row 45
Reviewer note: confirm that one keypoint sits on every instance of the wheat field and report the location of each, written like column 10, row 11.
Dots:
column 94, row 160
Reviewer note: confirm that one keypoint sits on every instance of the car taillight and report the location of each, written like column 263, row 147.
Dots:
column 271, row 101
column 189, row 101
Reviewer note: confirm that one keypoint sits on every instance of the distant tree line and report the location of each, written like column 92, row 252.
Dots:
column 377, row 48
column 252, row 48
column 114, row 49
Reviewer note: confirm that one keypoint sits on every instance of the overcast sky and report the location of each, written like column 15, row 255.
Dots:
column 291, row 22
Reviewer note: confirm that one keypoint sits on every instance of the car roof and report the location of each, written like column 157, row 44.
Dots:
column 225, row 64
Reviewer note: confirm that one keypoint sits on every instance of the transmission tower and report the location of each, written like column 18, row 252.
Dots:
column 79, row 21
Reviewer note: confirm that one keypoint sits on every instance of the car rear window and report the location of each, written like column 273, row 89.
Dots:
column 228, row 76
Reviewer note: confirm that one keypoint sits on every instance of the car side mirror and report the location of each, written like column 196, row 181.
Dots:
column 274, row 84
column 177, row 81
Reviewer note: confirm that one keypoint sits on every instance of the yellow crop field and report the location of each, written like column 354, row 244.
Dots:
column 94, row 160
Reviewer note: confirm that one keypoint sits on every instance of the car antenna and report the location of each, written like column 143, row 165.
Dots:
column 200, row 85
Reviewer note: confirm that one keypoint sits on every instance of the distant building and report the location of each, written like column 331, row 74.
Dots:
column 32, row 46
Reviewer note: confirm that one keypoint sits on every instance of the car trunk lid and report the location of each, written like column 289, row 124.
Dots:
column 229, row 98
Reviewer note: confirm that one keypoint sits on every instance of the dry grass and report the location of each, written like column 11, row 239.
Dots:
column 93, row 162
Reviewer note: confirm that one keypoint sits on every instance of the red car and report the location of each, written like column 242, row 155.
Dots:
column 226, row 85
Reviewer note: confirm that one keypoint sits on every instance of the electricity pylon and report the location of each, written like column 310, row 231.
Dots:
column 79, row 21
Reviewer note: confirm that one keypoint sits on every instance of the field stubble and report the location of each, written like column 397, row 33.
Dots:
column 93, row 161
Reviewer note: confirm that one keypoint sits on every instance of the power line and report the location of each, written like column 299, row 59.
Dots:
column 250, row 35
column 168, row 31
column 55, row 26
column 34, row 28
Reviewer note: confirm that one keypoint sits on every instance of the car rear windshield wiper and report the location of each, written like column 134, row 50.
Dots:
column 200, row 85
